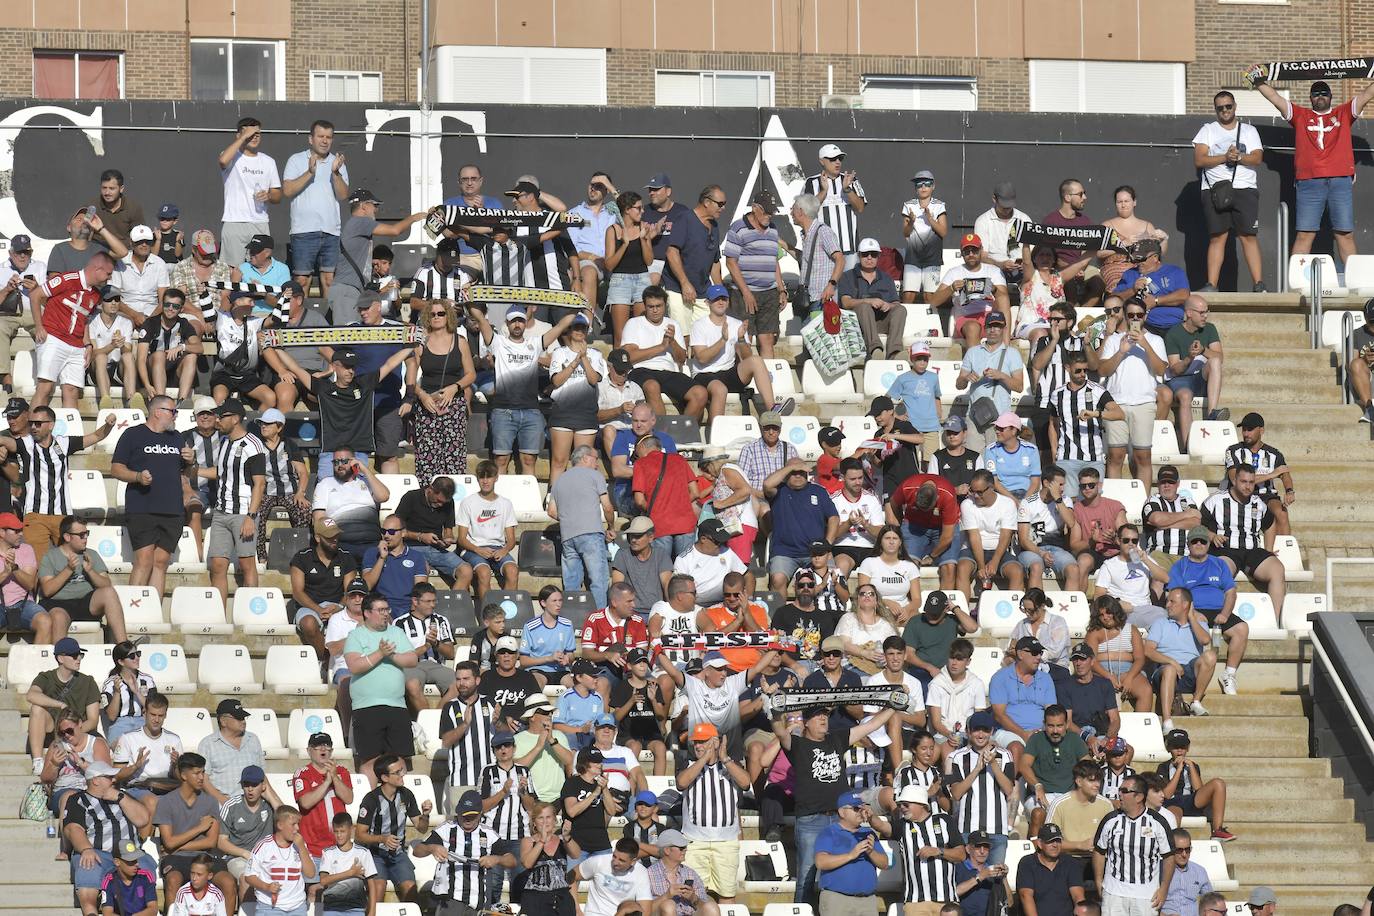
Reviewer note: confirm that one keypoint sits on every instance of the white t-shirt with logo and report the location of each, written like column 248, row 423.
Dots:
column 1133, row 382
column 709, row 572
column 924, row 243
column 159, row 762
column 891, row 581
column 979, row 285
column 101, row 334
column 245, row 177
column 608, row 890
column 988, row 521
column 641, row 333
column 868, row 506
column 1218, row 140
column 1046, row 527
column 704, row 334
column 485, row 519
column 1125, row 581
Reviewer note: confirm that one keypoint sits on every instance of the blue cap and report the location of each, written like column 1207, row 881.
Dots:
column 252, row 776
column 21, row 242
column 982, row 721
column 604, row 719
column 470, row 803
column 716, row 291
column 68, row 646
column 501, row 738
column 646, row 798
column 168, row 211
column 849, row 800
column 581, row 320
column 660, row 180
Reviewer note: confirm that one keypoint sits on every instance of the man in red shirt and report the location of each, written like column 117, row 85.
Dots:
column 665, row 487
column 610, row 633
column 322, row 789
column 68, row 301
column 926, row 508
column 1323, row 161
column 1098, row 519
column 827, row 466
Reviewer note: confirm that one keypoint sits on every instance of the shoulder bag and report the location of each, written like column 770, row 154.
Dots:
column 982, row 410
column 801, row 299
column 1223, row 193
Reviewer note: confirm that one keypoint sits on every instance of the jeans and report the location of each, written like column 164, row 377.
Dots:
column 806, row 830
column 586, row 559
column 998, row 853
column 446, row 562
column 1071, row 468
column 1335, row 196
column 123, row 726
column 676, row 544
column 496, row 876
column 920, row 542
column 519, row 430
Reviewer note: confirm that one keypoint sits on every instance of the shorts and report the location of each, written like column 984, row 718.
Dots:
column 236, row 866
column 1005, row 739
column 1031, row 803
column 786, row 565
column 226, row 540
column 475, row 560
column 765, row 319
column 1332, row 195
column 381, row 730
column 242, row 384
column 1186, row 683
column 182, row 865
column 1137, row 430
column 58, row 361
column 388, row 431
column 717, row 862
column 1247, row 561
column 428, row 671
column 89, row 879
column 684, row 313
column 627, row 289
column 1193, row 382
column 920, row 279
column 575, row 420
column 727, row 377
column 857, row 554
column 150, row 529
column 1211, row 615
column 1186, row 804
column 311, row 251
column 979, row 319
column 1241, row 219
column 1116, row 667
column 300, row 612
column 1060, row 560
column 672, row 383
column 78, row 609
column 393, row 865
column 27, row 610
column 516, row 429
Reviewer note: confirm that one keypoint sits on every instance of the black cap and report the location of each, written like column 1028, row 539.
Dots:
column 1251, row 420
column 1320, row 87
column 346, row 358
column 446, row 246
column 994, row 317
column 831, row 435
column 15, row 406
column 764, row 198
column 231, row 707
column 1050, row 833
column 636, row 656
column 292, row 287
column 880, row 403
column 362, row 196
column 260, row 243
column 583, row 666
column 1030, row 643
column 320, row 739
column 590, row 755
column 1167, row 473
column 523, row 187
column 937, row 603
column 713, row 529
column 619, row 360
column 818, row 548
column 812, row 711
column 231, row 407
column 1176, row 738
column 978, row 838
column 110, row 293
column 1082, row 650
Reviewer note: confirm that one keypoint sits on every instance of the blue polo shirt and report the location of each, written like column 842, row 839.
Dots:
column 1025, row 702
column 624, row 444
column 918, row 391
column 1209, row 581
column 539, row 639
column 1169, row 278
column 1013, row 469
column 1175, row 640
column 398, row 577
column 857, row 878
column 800, row 517
column 700, row 248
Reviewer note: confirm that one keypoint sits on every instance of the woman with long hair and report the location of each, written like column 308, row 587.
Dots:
column 629, row 252
column 1119, row 652
column 1042, row 288
column 125, row 692
column 441, row 410
column 1051, row 629
column 863, row 629
column 576, row 368
column 897, row 579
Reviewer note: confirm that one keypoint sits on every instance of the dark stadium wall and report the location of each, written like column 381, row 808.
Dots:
column 51, row 155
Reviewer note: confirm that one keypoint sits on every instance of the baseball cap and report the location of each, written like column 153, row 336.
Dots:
column 523, row 187
column 293, row 288
column 646, row 798
column 204, row 241
column 659, row 180
column 982, row 722
column 231, row 407
column 1262, row 896
column 231, row 707
column 110, row 293
column 357, row 586
column 704, row 731
column 914, row 795
column 770, row 418
column 869, row 245
column 1082, row 650
column 1320, row 87
column 252, row 775
column 168, row 211
column 1050, row 833
column 204, row 404
column 1176, row 738
column 714, row 659
column 583, row 666
column 1004, row 192
column 673, row 838
column 920, row 348
column 21, row 242
column 1251, row 420
column 937, row 602
column 978, row 838
column 880, row 403
column 140, row 234
column 955, row 424
column 849, row 800
column 716, row 291
column 832, row 644
column 605, row 720
column 513, row 314
column 811, row 712
column 1198, row 532
column 764, row 198
column 642, row 524
column 1115, row 747
column 619, row 360
column 328, row 528
column 506, row 644
column 1007, row 420
column 694, row 665
column 970, row 240
column 501, row 738
column 635, row 656
column 830, row 435
column 994, row 317
column 590, row 755
column 272, row 415
column 818, row 548
column 1030, row 644
column 129, row 851
column 831, row 151
column 11, row 521
column 100, row 768
column 68, row 646
column 470, row 803
column 1167, row 473
column 260, row 243
column 346, row 358
column 15, row 406
column 362, row 196
column 320, row 739
column 713, row 529
column 923, row 175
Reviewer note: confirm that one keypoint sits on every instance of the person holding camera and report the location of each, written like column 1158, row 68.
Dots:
column 1162, row 288
column 349, row 499
column 848, row 859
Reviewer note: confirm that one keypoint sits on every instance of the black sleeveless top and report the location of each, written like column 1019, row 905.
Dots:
column 439, row 370
column 633, row 260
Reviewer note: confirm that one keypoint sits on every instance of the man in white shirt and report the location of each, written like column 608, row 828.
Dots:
column 709, row 561
column 989, row 518
column 616, row 397
column 861, row 519
column 148, row 753
column 1127, row 578
column 1130, row 360
column 142, row 277
column 485, row 522
column 1226, row 150
column 994, row 226
column 658, row 348
column 617, row 883
column 251, row 182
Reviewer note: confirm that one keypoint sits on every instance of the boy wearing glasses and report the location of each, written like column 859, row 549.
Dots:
column 924, row 226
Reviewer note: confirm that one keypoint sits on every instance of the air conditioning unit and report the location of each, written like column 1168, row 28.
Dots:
column 842, row 101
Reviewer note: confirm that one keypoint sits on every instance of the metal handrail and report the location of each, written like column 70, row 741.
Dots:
column 1281, row 242
column 1314, row 301
column 1347, row 354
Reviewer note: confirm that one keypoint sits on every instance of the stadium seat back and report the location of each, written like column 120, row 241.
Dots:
column 25, row 662
column 457, row 608
column 1128, row 491
column 302, row 429
column 263, row 723
column 1016, row 851
column 1073, row 607
column 166, row 664
column 1257, row 610
column 97, row 661
column 142, row 609
column 1359, row 274
column 780, row 375
column 68, row 422
column 824, row 389
column 294, row 671
column 1300, row 274
column 539, row 555
column 227, row 668
column 855, row 428
column 524, row 493
column 112, row 544
column 683, row 430
column 986, row 661
column 999, row 611
column 463, row 485
column 397, row 485
column 774, row 851
column 1164, row 445
column 1296, row 608
column 284, row 544
column 733, row 431
column 1209, row 439
column 1290, row 555
column 197, row 609
column 803, row 432
column 881, row 374
column 517, row 604
column 577, row 606
column 261, row 610
column 1331, row 327
column 1211, row 856
column 86, row 492
column 308, row 721
column 187, row 559
column 125, row 418
column 1144, row 732
column 190, row 724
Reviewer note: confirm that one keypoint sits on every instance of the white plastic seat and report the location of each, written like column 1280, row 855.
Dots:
column 1208, row 441
column 424, row 867
column 1073, row 607
column 784, row 885
column 1359, row 274
column 125, row 418
column 399, row 909
column 999, row 611
column 227, row 669
column 986, row 661
column 880, row 374
column 1016, row 851
column 1210, row 855
column 68, row 422
column 98, row 661
column 397, row 485
column 780, row 374
column 422, row 787
column 1197, row 490
column 23, row 373
column 1164, row 445
column 1331, row 327
column 1300, row 274
column 923, row 326
column 263, row 723
column 948, row 371
column 306, row 722
column 524, row 492
column 726, row 909
column 731, row 430
column 142, row 610
column 822, row 390
column 802, row 432
column 1130, row 492
column 1290, row 555
column 86, row 493
column 1143, row 731
column 191, row 724
column 186, row 420
column 856, row 429
column 787, row 909
column 261, row 611
column 187, row 559
column 1296, row 607
column 1257, row 610
column 199, row 610
column 294, row 671
column 281, row 784
column 25, row 662
column 166, row 664
column 112, row 545
column 428, row 719
column 463, row 485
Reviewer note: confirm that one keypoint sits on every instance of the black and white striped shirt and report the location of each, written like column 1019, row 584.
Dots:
column 281, row 477
column 1166, row 540
column 910, row 775
column 1135, row 848
column 205, row 447
column 710, row 806
column 105, row 824
column 1263, row 460
column 506, row 264
column 1185, row 782
column 461, row 877
column 1111, row 781
column 382, row 816
column 237, row 462
column 509, row 819
column 928, row 880
column 549, row 259
column 44, row 472
column 836, row 210
column 1242, row 525
column 1054, row 376
column 418, row 628
column 433, row 283
column 984, row 805
column 864, row 766
column 1079, row 440
column 472, row 754
column 129, row 703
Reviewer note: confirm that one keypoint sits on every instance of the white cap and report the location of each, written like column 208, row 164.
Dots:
column 920, row 348
column 140, row 234
column 869, row 245
column 831, row 151
column 204, row 404
column 507, row 644
column 914, row 794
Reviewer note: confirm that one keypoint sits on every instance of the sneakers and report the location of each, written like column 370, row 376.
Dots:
column 1209, row 288
column 1228, row 684
column 1259, row 288
column 785, row 406
column 1368, row 415
column 1167, row 725
column 1221, row 413
column 1223, row 835
column 1198, row 709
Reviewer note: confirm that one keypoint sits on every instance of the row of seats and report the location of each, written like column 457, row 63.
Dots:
column 1358, row 279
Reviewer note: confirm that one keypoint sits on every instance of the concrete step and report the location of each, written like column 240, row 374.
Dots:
column 1309, row 869
column 18, row 896
column 1265, row 704
column 1262, row 786
column 1291, row 810
column 1278, row 768
column 1263, row 834
column 1240, row 743
column 1261, row 849
column 1222, row 728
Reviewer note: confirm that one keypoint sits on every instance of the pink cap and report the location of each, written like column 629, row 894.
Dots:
column 920, row 348
column 1008, row 420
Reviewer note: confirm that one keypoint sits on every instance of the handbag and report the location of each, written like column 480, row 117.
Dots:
column 759, row 868
column 1223, row 192
column 982, row 410
column 801, row 297
column 34, row 805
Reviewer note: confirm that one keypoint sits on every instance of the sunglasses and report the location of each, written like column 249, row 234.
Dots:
column 1134, row 315
column 831, row 654
column 868, row 254
column 925, row 183
column 978, row 492
column 392, row 530
column 79, row 534
column 1225, row 107
column 1131, row 792
column 1129, row 540
column 1083, row 485
column 1321, row 95
column 1114, row 311
column 1183, row 850
column 68, row 732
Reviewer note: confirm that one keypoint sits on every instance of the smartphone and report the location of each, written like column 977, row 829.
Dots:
column 1136, row 324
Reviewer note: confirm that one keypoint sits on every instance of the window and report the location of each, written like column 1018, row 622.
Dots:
column 519, row 76
column 929, row 93
column 78, row 74
column 345, row 86
column 1106, row 87
column 713, row 89
column 229, row 70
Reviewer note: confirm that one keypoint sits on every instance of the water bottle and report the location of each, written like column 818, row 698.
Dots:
column 1216, row 639
column 52, row 828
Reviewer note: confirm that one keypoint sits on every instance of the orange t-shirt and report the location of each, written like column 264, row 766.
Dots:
column 739, row 659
